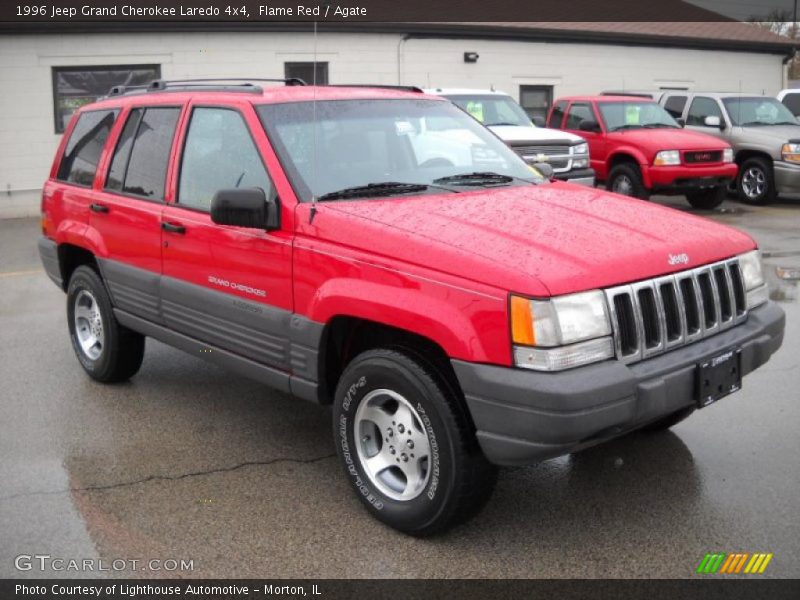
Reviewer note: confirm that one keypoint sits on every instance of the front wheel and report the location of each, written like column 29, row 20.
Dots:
column 107, row 351
column 707, row 199
column 626, row 179
column 406, row 444
column 755, row 183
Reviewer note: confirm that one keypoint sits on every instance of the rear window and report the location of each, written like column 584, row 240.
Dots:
column 139, row 166
column 85, row 145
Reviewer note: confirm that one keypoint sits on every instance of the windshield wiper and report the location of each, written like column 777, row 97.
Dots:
column 752, row 123
column 385, row 188
column 477, row 178
column 504, row 125
column 659, row 125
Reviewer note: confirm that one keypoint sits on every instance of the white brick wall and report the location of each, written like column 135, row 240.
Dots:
column 28, row 141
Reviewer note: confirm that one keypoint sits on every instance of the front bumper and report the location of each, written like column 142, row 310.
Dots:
column 787, row 177
column 577, row 176
column 680, row 179
column 523, row 417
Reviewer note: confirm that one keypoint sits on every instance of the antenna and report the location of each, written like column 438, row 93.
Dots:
column 313, row 211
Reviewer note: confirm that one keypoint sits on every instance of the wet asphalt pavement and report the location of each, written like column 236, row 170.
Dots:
column 187, row 461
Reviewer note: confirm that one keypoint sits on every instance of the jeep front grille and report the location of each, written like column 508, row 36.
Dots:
column 652, row 316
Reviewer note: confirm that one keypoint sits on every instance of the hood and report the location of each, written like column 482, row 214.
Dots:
column 668, row 139
column 769, row 135
column 518, row 133
column 541, row 240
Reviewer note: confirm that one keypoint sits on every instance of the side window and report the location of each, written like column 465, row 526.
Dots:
column 701, row 108
column 792, row 102
column 84, row 147
column 674, row 105
column 557, row 116
column 139, row 165
column 577, row 114
column 218, row 154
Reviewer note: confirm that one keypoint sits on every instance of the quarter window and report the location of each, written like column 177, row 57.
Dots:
column 139, row 166
column 218, row 154
column 675, row 105
column 85, row 145
column 557, row 116
column 75, row 86
column 701, row 108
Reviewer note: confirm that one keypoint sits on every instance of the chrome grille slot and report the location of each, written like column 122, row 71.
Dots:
column 652, row 316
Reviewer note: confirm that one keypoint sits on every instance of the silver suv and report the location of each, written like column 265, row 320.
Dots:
column 764, row 134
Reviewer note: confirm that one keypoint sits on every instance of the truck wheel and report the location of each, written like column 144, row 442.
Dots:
column 755, row 183
column 407, row 445
column 707, row 199
column 626, row 179
column 107, row 351
column 669, row 421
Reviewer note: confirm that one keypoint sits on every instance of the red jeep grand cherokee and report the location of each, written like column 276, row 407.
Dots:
column 382, row 251
column 637, row 148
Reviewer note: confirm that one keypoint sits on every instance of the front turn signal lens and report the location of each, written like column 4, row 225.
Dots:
column 522, row 321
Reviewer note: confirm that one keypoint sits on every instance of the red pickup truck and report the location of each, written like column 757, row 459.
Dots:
column 637, row 148
column 381, row 251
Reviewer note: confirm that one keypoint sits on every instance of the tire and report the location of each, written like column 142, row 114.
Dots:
column 669, row 421
column 390, row 407
column 707, row 199
column 626, row 179
column 107, row 351
column 755, row 183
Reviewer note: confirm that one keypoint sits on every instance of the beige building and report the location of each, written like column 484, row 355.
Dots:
column 45, row 76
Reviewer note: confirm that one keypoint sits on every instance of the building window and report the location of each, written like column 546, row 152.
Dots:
column 75, row 86
column 536, row 99
column 306, row 72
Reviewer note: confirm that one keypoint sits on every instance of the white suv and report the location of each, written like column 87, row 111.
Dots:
column 567, row 153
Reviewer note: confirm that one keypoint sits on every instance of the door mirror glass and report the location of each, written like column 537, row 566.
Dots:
column 712, row 121
column 589, row 125
column 682, row 122
column 245, row 207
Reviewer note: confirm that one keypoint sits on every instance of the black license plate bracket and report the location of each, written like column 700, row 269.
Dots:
column 718, row 376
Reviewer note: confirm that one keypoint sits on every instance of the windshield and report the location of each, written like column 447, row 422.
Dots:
column 635, row 115
column 493, row 109
column 757, row 111
column 393, row 143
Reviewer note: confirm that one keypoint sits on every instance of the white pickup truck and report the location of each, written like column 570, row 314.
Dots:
column 567, row 153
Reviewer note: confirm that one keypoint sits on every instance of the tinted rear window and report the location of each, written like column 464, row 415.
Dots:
column 85, row 146
column 141, row 168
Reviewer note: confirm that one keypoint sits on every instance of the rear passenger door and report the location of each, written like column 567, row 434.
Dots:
column 228, row 286
column 126, row 214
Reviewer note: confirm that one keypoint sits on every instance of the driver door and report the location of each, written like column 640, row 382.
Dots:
column 227, row 286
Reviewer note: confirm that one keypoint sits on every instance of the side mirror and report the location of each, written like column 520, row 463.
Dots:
column 538, row 121
column 712, row 121
column 681, row 121
column 589, row 125
column 245, row 208
column 546, row 169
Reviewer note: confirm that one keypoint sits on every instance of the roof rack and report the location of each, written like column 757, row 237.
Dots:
column 216, row 84
column 380, row 86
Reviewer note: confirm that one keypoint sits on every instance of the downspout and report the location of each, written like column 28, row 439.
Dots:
column 400, row 45
column 785, row 74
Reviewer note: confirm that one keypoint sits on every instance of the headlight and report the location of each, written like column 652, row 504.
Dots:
column 727, row 155
column 581, row 149
column 667, row 157
column 580, row 163
column 790, row 152
column 550, row 335
column 753, row 279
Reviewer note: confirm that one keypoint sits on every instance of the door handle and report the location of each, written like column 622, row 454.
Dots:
column 173, row 227
column 98, row 208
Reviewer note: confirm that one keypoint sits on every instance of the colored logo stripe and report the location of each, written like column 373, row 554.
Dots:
column 720, row 562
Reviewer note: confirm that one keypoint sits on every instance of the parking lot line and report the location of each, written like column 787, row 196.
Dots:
column 19, row 273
